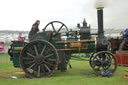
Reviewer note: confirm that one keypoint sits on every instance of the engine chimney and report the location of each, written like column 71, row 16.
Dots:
column 100, row 21
column 102, row 42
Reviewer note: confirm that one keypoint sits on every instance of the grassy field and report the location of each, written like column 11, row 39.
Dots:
column 80, row 74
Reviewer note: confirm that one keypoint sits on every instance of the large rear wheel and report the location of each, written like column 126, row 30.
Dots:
column 38, row 59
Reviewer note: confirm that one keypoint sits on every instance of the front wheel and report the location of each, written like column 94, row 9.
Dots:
column 102, row 61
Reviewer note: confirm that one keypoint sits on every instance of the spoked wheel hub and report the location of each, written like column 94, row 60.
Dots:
column 39, row 59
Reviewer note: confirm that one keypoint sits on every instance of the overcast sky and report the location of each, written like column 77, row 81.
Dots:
column 21, row 14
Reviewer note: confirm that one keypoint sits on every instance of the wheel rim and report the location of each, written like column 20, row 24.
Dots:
column 91, row 58
column 54, row 28
column 104, row 61
column 39, row 59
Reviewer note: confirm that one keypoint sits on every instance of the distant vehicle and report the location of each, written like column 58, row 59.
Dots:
column 2, row 50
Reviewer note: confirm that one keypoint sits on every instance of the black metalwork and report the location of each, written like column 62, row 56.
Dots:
column 84, row 31
column 104, row 60
column 102, row 42
column 53, row 26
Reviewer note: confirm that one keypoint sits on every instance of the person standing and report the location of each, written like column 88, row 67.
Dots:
column 34, row 29
column 20, row 36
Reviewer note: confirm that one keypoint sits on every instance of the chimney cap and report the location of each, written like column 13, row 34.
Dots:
column 99, row 8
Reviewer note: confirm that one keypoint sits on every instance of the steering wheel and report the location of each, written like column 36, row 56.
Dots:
column 54, row 28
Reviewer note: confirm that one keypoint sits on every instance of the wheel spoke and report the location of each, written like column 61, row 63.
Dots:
column 36, row 50
column 98, row 68
column 28, row 58
column 100, row 60
column 49, row 55
column 29, row 62
column 29, row 49
column 43, row 49
column 53, row 27
column 103, row 68
column 51, row 59
column 35, row 67
column 110, row 59
column 38, row 71
column 48, row 51
column 47, row 67
column 31, row 55
column 107, row 67
column 31, row 66
column 48, row 63
column 61, row 27
column 106, row 58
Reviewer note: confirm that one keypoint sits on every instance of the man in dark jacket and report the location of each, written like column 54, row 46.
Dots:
column 34, row 29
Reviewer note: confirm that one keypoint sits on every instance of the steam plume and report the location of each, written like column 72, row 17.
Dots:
column 100, row 3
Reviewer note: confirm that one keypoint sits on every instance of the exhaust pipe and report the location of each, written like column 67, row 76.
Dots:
column 100, row 21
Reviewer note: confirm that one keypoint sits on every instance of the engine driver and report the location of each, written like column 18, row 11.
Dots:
column 34, row 29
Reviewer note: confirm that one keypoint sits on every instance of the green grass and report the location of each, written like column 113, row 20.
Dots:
column 80, row 74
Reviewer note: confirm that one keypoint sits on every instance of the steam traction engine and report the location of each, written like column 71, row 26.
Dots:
column 52, row 49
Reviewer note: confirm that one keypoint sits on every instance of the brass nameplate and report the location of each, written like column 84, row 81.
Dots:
column 75, row 44
column 18, row 48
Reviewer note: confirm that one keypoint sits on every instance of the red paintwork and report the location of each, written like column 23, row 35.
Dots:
column 3, row 50
column 122, row 58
